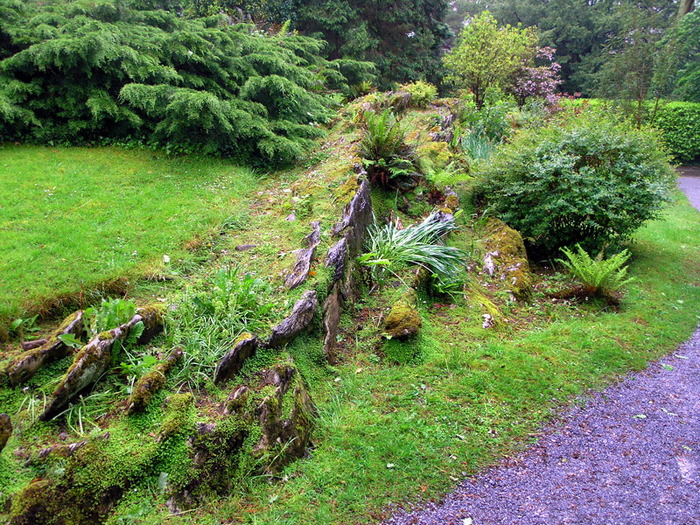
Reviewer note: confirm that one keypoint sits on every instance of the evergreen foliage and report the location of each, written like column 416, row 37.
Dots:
column 589, row 182
column 404, row 39
column 82, row 73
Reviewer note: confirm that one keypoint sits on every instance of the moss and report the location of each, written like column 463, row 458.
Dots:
column 511, row 259
column 347, row 190
column 179, row 415
column 436, row 155
column 404, row 320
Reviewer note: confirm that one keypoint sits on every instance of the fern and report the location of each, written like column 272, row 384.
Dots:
column 600, row 277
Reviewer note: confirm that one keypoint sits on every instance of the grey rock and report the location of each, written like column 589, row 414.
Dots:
column 301, row 269
column 356, row 220
column 232, row 363
column 331, row 320
column 302, row 314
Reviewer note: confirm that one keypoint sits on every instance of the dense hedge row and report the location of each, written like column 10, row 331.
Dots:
column 75, row 73
column 678, row 122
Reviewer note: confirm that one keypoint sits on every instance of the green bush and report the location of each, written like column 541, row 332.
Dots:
column 679, row 124
column 422, row 93
column 587, row 182
column 83, row 73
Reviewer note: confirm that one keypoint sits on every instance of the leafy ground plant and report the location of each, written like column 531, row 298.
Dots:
column 600, row 277
column 210, row 317
column 385, row 153
column 391, row 248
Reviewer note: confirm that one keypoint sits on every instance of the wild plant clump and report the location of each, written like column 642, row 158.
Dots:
column 589, row 182
column 116, row 74
column 385, row 154
column 422, row 93
column 390, row 249
column 600, row 277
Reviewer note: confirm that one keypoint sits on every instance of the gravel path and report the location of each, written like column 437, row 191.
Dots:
column 630, row 456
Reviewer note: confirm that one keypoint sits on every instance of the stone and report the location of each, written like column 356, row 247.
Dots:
column 331, row 321
column 244, row 247
column 337, row 258
column 285, row 417
column 149, row 383
column 356, row 220
column 301, row 316
column 302, row 267
column 506, row 259
column 231, row 364
column 5, row 430
column 403, row 321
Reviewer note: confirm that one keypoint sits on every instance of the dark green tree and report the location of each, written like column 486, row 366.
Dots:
column 404, row 39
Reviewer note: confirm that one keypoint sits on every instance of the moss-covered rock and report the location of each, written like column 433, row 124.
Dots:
column 152, row 381
column 506, row 258
column 434, row 156
column 404, row 320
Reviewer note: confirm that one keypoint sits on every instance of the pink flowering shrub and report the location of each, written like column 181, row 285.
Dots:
column 539, row 81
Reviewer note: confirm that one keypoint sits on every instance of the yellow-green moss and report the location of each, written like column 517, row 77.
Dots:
column 404, row 320
column 436, row 154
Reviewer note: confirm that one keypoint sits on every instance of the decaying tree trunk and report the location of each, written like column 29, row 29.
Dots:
column 93, row 360
column 26, row 365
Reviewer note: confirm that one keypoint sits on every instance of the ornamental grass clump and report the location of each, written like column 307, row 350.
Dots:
column 599, row 277
column 391, row 249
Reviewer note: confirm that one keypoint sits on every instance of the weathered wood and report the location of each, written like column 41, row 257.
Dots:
column 31, row 345
column 331, row 321
column 93, row 360
column 302, row 267
column 24, row 367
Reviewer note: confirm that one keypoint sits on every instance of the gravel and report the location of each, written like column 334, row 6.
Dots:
column 631, row 455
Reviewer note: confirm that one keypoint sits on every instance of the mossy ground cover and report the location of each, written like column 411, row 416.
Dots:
column 403, row 433
column 398, row 422
column 72, row 219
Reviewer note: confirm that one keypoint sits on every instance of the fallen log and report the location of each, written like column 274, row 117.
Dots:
column 23, row 367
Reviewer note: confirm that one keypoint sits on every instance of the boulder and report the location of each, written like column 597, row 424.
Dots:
column 301, row 316
column 506, row 259
column 403, row 321
column 356, row 219
column 232, row 363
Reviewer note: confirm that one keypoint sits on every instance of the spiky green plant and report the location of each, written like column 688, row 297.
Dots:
column 390, row 249
column 600, row 277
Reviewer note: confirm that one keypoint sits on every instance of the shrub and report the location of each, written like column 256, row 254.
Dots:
column 422, row 93
column 679, row 124
column 585, row 182
column 599, row 277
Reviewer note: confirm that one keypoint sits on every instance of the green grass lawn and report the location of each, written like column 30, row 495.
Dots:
column 72, row 219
